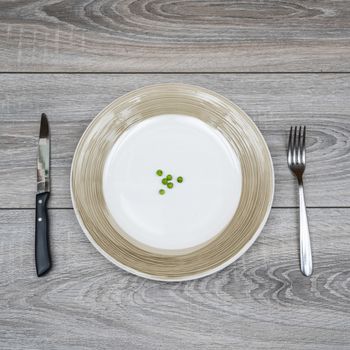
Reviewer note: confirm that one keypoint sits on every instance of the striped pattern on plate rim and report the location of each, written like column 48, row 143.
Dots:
column 217, row 111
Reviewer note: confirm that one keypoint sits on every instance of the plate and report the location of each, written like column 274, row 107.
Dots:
column 167, row 229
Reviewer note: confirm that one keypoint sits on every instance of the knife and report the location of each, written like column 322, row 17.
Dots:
column 42, row 250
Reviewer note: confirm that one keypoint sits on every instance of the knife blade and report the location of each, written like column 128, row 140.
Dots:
column 42, row 249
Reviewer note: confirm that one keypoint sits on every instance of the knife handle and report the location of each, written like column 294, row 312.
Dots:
column 42, row 250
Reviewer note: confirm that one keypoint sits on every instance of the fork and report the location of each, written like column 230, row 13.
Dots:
column 296, row 159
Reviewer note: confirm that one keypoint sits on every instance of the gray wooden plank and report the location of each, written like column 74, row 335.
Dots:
column 177, row 36
column 260, row 302
column 274, row 101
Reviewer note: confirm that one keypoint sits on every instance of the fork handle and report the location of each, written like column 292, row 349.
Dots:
column 305, row 245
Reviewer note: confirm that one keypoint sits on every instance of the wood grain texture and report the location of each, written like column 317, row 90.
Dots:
column 274, row 101
column 260, row 302
column 174, row 36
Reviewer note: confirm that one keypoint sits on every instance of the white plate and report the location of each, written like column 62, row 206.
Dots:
column 199, row 226
column 192, row 212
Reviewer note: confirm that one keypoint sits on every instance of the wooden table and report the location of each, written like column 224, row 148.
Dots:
column 285, row 63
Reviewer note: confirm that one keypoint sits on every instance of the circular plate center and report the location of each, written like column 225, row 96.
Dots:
column 192, row 212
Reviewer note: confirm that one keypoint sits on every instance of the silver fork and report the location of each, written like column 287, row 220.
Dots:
column 297, row 162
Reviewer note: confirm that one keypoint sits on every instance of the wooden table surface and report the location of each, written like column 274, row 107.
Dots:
column 283, row 62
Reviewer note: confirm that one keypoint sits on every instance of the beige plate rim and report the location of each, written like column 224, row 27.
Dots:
column 188, row 277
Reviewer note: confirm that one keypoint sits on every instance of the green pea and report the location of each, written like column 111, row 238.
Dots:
column 159, row 172
column 164, row 181
column 161, row 192
column 169, row 177
column 170, row 185
column 180, row 179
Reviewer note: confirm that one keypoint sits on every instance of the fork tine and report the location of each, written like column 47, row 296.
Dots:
column 290, row 146
column 295, row 146
column 299, row 147
column 303, row 150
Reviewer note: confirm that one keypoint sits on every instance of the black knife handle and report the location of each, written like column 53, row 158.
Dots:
column 42, row 249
